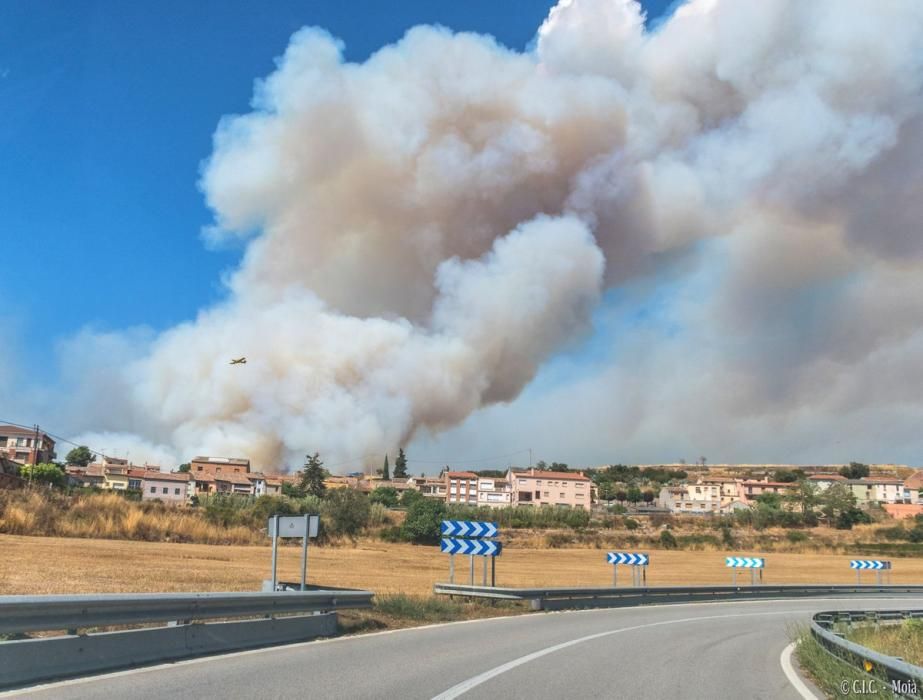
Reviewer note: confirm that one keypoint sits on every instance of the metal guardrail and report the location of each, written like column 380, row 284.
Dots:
column 561, row 598
column 282, row 618
column 902, row 675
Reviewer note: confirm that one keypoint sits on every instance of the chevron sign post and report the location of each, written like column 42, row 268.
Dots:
column 876, row 565
column 636, row 560
column 471, row 537
column 753, row 563
column 480, row 548
column 468, row 528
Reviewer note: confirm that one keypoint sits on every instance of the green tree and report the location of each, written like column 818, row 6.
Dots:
column 634, row 495
column 385, row 472
column 788, row 476
column 422, row 522
column 804, row 496
column 606, row 491
column 558, row 467
column 836, row 500
column 385, row 495
column 855, row 470
column 621, row 496
column 44, row 473
column 347, row 512
column 648, row 496
column 292, row 490
column 81, row 456
column 185, row 467
column 311, row 479
column 400, row 465
column 411, row 496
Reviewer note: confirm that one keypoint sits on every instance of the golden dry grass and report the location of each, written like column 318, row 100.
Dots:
column 70, row 565
column 110, row 516
column 904, row 640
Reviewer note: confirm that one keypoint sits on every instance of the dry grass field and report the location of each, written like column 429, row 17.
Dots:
column 33, row 565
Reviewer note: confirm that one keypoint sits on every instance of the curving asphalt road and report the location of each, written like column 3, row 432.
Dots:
column 704, row 650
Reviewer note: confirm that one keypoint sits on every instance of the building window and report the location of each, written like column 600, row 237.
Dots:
column 546, row 494
column 153, row 489
column 562, row 495
column 176, row 493
column 166, row 490
column 198, row 469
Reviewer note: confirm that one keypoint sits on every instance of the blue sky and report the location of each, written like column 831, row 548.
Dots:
column 108, row 110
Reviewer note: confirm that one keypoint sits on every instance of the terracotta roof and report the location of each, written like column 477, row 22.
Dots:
column 461, row 475
column 7, row 430
column 208, row 478
column 239, row 479
column 777, row 484
column 165, row 476
column 915, row 480
column 565, row 476
column 826, row 477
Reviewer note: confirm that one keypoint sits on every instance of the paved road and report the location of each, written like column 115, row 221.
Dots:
column 706, row 650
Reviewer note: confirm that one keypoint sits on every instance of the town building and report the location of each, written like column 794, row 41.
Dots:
column 461, row 487
column 495, row 492
column 877, row 490
column 533, row 487
column 219, row 465
column 25, row 445
column 172, row 488
column 825, row 481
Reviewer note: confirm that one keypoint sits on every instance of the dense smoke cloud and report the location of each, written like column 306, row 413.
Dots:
column 426, row 229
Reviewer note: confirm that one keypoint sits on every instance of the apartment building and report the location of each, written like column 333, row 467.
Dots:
column 543, row 488
column 878, row 490
column 495, row 492
column 25, row 445
column 461, row 487
column 219, row 465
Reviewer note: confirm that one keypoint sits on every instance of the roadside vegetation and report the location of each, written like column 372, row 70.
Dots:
column 400, row 610
column 830, row 674
column 904, row 640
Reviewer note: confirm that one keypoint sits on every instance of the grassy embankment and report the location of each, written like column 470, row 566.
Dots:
column 903, row 640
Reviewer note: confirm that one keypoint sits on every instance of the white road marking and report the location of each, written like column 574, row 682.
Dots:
column 786, row 660
column 463, row 687
column 333, row 640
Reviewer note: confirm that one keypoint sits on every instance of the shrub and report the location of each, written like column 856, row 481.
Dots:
column 385, row 495
column 346, row 512
column 892, row 533
column 554, row 540
column 631, row 524
column 667, row 540
column 796, row 536
column 391, row 534
column 378, row 515
column 44, row 473
column 423, row 519
column 411, row 496
column 727, row 536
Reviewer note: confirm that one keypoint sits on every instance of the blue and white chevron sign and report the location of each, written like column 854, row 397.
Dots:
column 875, row 564
column 468, row 528
column 633, row 558
column 745, row 562
column 482, row 548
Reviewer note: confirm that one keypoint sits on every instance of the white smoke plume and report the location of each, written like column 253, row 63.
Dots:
column 425, row 229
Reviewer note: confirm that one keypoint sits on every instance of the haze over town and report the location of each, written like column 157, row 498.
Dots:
column 611, row 245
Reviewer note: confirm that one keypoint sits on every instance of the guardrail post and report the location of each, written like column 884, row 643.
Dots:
column 535, row 603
